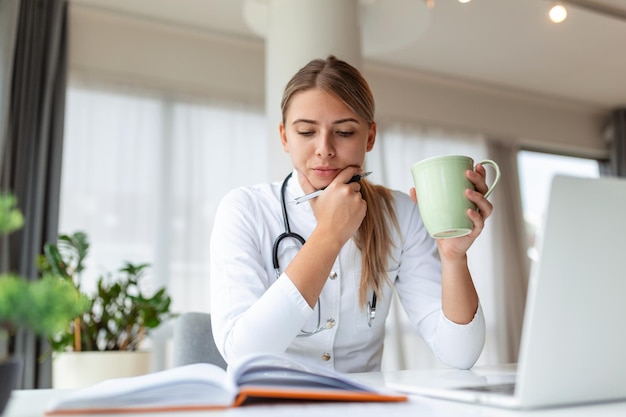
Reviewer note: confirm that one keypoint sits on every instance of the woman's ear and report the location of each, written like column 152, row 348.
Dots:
column 283, row 137
column 371, row 137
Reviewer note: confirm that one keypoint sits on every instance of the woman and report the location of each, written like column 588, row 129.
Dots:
column 313, row 292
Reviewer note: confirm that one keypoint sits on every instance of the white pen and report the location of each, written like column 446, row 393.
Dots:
column 314, row 194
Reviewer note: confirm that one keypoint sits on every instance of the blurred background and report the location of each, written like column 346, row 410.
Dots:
column 170, row 104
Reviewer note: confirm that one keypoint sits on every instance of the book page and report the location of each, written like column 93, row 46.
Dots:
column 279, row 370
column 193, row 385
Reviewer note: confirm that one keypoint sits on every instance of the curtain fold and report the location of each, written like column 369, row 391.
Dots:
column 509, row 257
column 32, row 150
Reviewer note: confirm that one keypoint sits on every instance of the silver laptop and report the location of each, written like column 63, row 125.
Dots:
column 573, row 346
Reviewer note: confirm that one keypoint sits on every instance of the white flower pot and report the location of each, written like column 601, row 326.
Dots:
column 81, row 369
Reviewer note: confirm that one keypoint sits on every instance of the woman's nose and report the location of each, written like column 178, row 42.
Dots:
column 325, row 146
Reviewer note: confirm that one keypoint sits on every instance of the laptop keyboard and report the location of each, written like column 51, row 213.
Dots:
column 506, row 388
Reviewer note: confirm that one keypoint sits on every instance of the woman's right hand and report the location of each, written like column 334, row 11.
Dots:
column 340, row 209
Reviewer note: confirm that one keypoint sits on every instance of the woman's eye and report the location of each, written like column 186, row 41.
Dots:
column 305, row 132
column 345, row 133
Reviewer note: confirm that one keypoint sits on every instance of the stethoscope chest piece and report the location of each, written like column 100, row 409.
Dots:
column 371, row 310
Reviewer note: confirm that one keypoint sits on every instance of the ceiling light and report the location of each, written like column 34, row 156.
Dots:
column 558, row 13
column 602, row 8
column 464, row 1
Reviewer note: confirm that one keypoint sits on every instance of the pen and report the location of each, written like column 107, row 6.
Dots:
column 314, row 194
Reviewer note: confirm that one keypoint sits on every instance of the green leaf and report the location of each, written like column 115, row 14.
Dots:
column 11, row 218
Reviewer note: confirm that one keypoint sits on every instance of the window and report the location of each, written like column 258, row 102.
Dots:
column 536, row 170
column 142, row 175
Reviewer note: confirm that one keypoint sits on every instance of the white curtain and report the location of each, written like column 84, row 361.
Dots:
column 144, row 171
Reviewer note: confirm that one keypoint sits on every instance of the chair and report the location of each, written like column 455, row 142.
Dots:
column 193, row 341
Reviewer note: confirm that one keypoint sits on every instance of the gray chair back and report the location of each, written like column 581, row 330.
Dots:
column 193, row 341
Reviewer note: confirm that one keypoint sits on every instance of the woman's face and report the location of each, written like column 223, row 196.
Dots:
column 323, row 136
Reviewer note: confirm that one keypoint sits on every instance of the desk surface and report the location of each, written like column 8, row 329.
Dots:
column 32, row 403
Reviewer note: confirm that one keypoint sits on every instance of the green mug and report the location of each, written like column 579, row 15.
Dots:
column 440, row 185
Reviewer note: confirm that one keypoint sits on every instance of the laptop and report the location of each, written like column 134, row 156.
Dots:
column 573, row 346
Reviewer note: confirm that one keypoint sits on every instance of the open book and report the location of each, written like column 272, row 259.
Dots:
column 204, row 386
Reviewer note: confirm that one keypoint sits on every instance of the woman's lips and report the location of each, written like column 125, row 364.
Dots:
column 325, row 172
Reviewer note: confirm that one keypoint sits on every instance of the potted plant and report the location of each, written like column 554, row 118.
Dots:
column 106, row 339
column 44, row 306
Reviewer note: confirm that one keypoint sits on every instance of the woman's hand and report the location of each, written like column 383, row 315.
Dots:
column 340, row 209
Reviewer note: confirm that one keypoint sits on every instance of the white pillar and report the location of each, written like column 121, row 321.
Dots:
column 296, row 32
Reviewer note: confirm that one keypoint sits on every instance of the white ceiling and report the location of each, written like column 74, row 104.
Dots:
column 509, row 44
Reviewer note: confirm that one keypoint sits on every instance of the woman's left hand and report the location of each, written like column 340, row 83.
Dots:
column 457, row 247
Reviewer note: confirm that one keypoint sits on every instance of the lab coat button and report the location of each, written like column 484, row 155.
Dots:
column 326, row 356
column 333, row 275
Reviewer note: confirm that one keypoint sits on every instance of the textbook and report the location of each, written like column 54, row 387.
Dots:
column 203, row 386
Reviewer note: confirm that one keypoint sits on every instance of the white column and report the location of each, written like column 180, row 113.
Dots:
column 298, row 31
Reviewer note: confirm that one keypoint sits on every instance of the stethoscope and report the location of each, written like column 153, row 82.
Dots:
column 288, row 234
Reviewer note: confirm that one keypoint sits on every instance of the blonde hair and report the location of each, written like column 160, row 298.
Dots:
column 373, row 238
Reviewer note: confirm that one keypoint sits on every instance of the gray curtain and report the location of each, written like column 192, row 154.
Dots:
column 511, row 262
column 31, row 154
column 8, row 26
column 616, row 139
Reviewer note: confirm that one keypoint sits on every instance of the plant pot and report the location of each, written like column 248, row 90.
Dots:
column 81, row 369
column 9, row 373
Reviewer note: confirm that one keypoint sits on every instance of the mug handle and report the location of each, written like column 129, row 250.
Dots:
column 495, row 166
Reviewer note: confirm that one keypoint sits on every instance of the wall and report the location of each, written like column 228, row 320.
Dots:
column 152, row 54
column 149, row 54
column 525, row 120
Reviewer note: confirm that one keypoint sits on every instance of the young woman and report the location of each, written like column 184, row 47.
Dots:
column 316, row 279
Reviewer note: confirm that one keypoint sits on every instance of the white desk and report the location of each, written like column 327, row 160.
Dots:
column 32, row 403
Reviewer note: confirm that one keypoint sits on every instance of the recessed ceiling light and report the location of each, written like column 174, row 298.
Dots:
column 558, row 13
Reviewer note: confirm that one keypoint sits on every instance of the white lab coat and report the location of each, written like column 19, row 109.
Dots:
column 253, row 310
